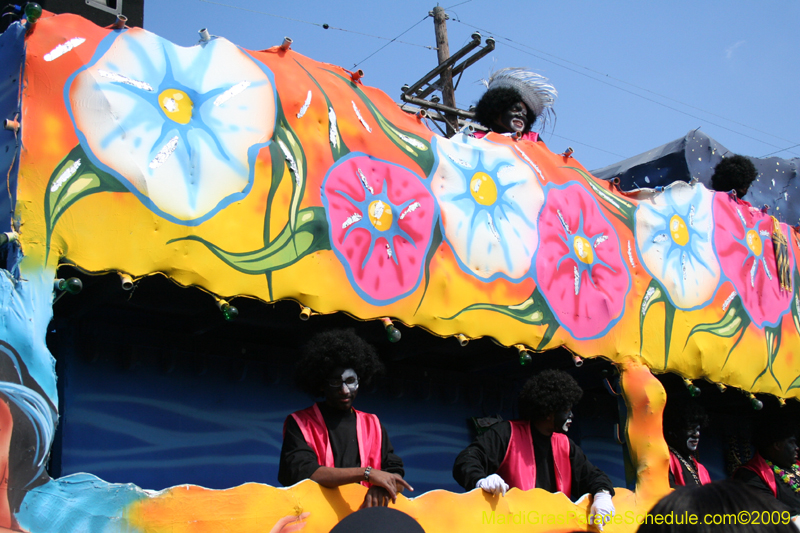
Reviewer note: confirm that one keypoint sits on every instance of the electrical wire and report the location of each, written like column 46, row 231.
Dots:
column 779, row 151
column 587, row 145
column 324, row 26
column 497, row 36
column 456, row 5
column 393, row 40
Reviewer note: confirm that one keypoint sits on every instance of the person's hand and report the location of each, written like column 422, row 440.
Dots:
column 376, row 497
column 602, row 510
column 494, row 484
column 290, row 523
column 389, row 482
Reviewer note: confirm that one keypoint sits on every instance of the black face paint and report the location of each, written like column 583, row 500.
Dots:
column 340, row 388
column 514, row 119
column 562, row 421
column 786, row 455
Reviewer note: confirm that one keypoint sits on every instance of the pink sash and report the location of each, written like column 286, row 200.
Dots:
column 519, row 465
column 758, row 465
column 368, row 435
column 677, row 470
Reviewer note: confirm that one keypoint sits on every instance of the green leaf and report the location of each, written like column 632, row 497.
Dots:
column 796, row 302
column 295, row 158
column 338, row 148
column 734, row 322
column 653, row 295
column 619, row 207
column 311, row 235
column 795, row 384
column 436, row 240
column 415, row 146
column 74, row 178
column 773, row 336
column 533, row 311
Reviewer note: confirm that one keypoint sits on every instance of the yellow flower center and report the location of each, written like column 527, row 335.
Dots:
column 678, row 231
column 177, row 105
column 483, row 188
column 380, row 214
column 583, row 249
column 754, row 242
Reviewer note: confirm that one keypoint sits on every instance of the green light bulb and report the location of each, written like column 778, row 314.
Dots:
column 393, row 334
column 756, row 403
column 33, row 12
column 694, row 391
column 525, row 358
column 74, row 285
column 229, row 311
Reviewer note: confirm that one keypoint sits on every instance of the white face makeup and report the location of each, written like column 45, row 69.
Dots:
column 348, row 379
column 341, row 388
column 562, row 421
column 693, row 439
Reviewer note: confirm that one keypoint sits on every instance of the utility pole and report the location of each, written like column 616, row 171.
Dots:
column 441, row 78
column 446, row 77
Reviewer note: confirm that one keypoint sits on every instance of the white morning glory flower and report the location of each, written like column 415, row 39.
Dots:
column 490, row 200
column 675, row 240
column 179, row 127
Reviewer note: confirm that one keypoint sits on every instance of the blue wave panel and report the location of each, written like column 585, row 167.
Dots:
column 158, row 430
column 12, row 59
column 219, row 429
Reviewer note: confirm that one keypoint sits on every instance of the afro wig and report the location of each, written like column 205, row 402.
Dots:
column 329, row 350
column 734, row 173
column 682, row 414
column 497, row 101
column 548, row 392
column 774, row 425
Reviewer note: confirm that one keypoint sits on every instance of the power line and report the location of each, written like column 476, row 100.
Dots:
column 779, row 151
column 323, row 26
column 587, row 145
column 632, row 85
column 393, row 40
column 456, row 5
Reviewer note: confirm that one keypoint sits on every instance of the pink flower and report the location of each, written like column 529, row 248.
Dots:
column 381, row 221
column 743, row 239
column 579, row 267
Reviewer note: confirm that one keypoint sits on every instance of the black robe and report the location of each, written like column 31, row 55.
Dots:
column 485, row 455
column 787, row 498
column 298, row 461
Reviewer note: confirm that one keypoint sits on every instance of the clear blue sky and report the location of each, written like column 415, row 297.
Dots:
column 631, row 75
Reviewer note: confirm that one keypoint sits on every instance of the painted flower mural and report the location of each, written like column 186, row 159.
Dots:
column 743, row 240
column 381, row 220
column 489, row 199
column 179, row 127
column 674, row 237
column 579, row 268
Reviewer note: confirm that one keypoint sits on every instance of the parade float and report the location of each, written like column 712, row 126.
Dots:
column 267, row 177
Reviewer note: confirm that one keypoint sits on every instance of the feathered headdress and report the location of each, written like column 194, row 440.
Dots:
column 537, row 92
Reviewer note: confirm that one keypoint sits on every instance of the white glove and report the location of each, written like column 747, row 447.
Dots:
column 493, row 484
column 602, row 510
column 796, row 521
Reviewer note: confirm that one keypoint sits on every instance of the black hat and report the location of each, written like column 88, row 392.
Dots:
column 378, row 519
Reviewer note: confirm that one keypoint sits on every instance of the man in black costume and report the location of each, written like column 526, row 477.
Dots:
column 330, row 442
column 535, row 451
column 773, row 469
column 682, row 423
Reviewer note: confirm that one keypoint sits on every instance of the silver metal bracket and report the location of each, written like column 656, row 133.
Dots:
column 100, row 4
